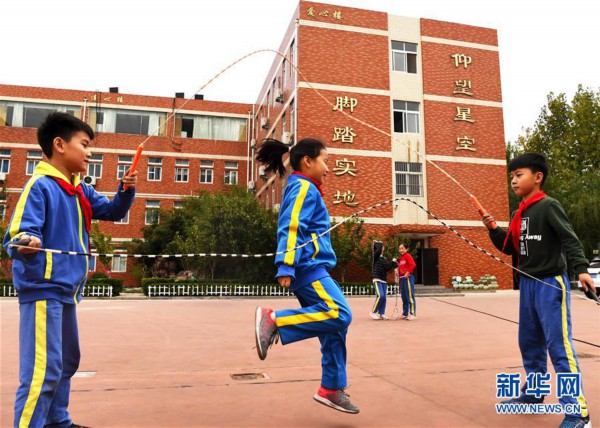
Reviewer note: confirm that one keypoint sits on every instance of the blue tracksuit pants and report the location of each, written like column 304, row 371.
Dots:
column 407, row 292
column 381, row 296
column 545, row 328
column 48, row 358
column 324, row 314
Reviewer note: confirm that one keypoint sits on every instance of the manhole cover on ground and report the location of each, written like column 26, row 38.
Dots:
column 249, row 376
column 84, row 374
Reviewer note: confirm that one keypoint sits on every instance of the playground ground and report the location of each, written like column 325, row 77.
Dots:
column 191, row 363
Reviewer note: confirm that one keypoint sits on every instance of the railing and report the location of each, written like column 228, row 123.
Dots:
column 87, row 291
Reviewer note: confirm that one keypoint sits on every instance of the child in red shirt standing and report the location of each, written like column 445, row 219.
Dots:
column 406, row 266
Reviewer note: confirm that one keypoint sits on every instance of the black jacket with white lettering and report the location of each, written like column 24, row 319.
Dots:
column 546, row 237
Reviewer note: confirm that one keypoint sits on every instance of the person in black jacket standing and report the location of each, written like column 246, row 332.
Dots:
column 381, row 267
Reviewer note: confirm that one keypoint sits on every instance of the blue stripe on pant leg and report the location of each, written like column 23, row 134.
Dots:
column 554, row 308
column 377, row 298
column 58, row 413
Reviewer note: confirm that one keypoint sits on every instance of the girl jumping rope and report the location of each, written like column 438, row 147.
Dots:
column 324, row 313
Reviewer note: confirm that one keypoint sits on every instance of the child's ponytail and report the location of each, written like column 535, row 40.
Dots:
column 271, row 154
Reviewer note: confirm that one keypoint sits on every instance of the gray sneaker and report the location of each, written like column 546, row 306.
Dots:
column 337, row 400
column 265, row 331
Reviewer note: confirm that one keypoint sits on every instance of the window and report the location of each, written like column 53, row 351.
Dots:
column 154, row 169
column 31, row 115
column 182, row 170
column 177, row 205
column 33, row 158
column 4, row 161
column 210, row 127
column 95, row 166
column 292, row 57
column 404, row 57
column 152, row 208
column 128, row 121
column 292, row 117
column 231, row 172
column 119, row 264
column 409, row 178
column 124, row 220
column 206, row 172
column 406, row 117
column 123, row 164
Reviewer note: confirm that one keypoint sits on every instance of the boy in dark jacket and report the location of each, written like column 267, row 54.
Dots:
column 539, row 234
column 381, row 267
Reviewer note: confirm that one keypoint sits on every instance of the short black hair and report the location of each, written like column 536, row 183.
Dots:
column 61, row 125
column 536, row 162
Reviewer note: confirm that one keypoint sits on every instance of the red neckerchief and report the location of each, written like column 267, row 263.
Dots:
column 86, row 207
column 311, row 180
column 514, row 229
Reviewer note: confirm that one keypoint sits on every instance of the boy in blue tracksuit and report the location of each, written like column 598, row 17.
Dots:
column 54, row 211
column 540, row 235
column 324, row 313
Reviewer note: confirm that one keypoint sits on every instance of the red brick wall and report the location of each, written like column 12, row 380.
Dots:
column 454, row 31
column 456, row 257
column 349, row 59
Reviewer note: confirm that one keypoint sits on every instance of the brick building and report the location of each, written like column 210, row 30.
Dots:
column 433, row 87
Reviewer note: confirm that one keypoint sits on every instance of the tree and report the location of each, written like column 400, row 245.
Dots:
column 568, row 134
column 230, row 222
column 4, row 258
column 101, row 242
column 346, row 240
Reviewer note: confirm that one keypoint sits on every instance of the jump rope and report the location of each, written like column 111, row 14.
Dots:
column 25, row 243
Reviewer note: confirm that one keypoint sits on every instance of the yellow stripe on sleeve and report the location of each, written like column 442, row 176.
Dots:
column 39, row 368
column 20, row 208
column 294, row 222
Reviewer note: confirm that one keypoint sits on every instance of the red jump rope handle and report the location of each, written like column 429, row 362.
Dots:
column 136, row 160
column 482, row 211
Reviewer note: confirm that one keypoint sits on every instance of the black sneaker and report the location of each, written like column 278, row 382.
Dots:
column 336, row 399
column 524, row 399
column 73, row 425
column 575, row 422
column 265, row 331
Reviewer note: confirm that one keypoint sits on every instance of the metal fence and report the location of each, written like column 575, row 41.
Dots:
column 87, row 291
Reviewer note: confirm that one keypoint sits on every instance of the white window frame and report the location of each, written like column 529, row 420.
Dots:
column 177, row 205
column 5, row 160
column 119, row 267
column 33, row 158
column 123, row 165
column 413, row 171
column 400, row 61
column 206, row 166
column 182, row 167
column 231, row 168
column 152, row 206
column 154, row 169
column 95, row 161
column 411, row 113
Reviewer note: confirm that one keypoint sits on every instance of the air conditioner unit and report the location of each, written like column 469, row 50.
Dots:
column 279, row 96
column 88, row 179
column 261, row 172
column 251, row 185
column 276, row 207
column 286, row 138
column 2, row 176
column 264, row 122
column 253, row 143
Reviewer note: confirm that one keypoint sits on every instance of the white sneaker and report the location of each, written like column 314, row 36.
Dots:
column 411, row 318
column 383, row 317
column 403, row 317
column 375, row 315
